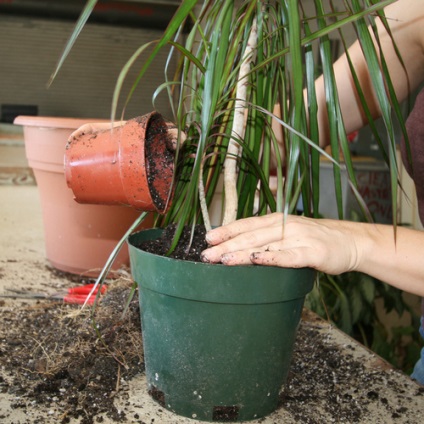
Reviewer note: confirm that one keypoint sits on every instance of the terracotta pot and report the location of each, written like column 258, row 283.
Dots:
column 130, row 165
column 78, row 238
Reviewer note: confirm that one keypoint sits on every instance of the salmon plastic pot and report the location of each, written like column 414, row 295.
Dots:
column 217, row 340
column 128, row 165
column 78, row 238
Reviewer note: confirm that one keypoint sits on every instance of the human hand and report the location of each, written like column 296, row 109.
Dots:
column 326, row 245
column 173, row 134
column 92, row 128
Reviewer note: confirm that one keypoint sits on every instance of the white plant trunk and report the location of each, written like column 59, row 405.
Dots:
column 238, row 130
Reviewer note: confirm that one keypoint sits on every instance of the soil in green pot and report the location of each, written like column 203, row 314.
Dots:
column 189, row 247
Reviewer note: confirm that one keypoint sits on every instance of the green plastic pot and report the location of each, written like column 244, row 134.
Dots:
column 218, row 340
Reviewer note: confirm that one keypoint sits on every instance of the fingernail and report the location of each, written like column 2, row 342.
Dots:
column 204, row 258
column 226, row 258
column 207, row 238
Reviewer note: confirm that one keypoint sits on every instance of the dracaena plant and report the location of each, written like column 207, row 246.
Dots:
column 236, row 61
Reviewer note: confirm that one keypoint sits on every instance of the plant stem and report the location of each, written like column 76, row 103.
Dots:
column 238, row 129
column 202, row 200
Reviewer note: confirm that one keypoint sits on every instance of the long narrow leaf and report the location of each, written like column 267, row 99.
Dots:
column 85, row 14
column 173, row 26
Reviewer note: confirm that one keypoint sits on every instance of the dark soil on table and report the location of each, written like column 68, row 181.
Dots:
column 322, row 378
column 52, row 357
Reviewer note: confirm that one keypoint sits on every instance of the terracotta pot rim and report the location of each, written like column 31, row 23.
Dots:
column 54, row 121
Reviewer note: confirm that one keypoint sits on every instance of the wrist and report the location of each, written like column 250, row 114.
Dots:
column 364, row 242
column 372, row 239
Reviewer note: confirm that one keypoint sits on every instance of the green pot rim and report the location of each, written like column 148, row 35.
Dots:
column 248, row 284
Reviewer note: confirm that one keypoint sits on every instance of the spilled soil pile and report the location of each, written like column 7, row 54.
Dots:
column 60, row 357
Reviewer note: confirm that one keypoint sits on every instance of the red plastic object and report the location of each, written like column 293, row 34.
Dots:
column 86, row 289
column 79, row 299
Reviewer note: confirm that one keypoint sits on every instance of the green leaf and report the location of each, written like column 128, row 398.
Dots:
column 85, row 14
column 174, row 25
column 367, row 287
column 356, row 304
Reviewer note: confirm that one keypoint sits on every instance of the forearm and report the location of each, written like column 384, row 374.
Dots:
column 406, row 21
column 396, row 258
